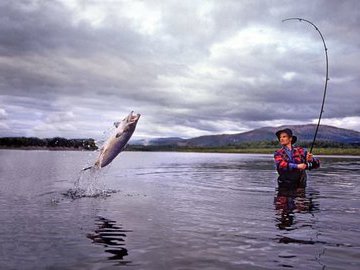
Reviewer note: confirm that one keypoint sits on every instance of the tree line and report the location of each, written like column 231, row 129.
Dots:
column 306, row 144
column 52, row 143
column 89, row 144
column 242, row 146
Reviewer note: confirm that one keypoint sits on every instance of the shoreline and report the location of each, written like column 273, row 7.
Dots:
column 317, row 151
column 30, row 148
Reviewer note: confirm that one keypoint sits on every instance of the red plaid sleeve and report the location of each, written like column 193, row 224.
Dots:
column 280, row 160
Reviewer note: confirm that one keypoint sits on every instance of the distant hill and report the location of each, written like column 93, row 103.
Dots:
column 305, row 133
column 158, row 141
column 328, row 136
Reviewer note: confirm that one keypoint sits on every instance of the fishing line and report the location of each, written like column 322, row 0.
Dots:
column 326, row 76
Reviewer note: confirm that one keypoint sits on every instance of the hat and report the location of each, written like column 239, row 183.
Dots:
column 288, row 131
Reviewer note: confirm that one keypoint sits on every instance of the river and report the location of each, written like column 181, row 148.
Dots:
column 169, row 210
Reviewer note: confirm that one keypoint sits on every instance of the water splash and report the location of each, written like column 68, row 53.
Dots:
column 89, row 184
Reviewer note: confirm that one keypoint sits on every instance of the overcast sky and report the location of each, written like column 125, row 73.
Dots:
column 72, row 68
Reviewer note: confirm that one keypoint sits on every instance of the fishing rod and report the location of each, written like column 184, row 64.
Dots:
column 326, row 76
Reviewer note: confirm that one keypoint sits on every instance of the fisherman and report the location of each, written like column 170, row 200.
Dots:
column 292, row 161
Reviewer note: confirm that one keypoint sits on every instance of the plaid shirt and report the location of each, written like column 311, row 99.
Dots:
column 286, row 162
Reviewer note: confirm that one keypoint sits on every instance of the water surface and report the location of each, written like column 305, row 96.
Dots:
column 174, row 211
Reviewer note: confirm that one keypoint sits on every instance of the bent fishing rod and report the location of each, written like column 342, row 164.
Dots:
column 326, row 76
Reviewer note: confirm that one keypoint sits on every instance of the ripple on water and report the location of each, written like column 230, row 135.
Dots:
column 77, row 193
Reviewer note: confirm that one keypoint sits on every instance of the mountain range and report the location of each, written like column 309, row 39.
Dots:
column 305, row 133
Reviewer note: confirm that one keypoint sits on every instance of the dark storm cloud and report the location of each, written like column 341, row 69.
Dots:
column 44, row 37
column 49, row 26
column 197, row 67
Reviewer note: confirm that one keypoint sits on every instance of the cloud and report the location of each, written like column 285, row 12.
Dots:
column 60, row 117
column 190, row 68
column 3, row 114
column 346, row 122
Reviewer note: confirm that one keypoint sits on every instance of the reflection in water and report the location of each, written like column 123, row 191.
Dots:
column 289, row 202
column 111, row 236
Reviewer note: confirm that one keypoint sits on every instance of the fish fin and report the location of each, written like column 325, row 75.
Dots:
column 116, row 124
column 87, row 168
column 97, row 164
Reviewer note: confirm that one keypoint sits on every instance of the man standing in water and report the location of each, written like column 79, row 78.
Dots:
column 292, row 161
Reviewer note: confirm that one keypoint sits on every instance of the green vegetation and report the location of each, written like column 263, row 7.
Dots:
column 262, row 147
column 56, row 143
column 316, row 151
column 337, row 151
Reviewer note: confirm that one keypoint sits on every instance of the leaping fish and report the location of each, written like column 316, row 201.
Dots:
column 117, row 141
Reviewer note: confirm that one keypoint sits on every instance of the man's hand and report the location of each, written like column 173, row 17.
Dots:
column 301, row 166
column 309, row 157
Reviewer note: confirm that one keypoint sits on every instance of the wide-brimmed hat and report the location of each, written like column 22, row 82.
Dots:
column 289, row 132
